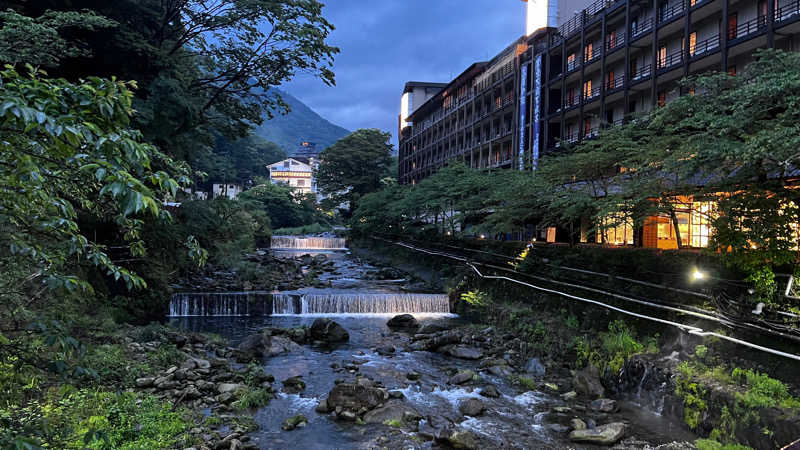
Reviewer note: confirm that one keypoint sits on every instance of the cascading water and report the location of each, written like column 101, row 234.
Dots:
column 308, row 243
column 265, row 303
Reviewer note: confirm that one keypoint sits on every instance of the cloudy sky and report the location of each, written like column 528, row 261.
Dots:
column 386, row 43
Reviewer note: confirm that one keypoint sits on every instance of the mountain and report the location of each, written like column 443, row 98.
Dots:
column 302, row 124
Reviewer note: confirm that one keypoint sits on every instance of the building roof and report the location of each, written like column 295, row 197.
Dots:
column 472, row 70
column 279, row 164
column 425, row 84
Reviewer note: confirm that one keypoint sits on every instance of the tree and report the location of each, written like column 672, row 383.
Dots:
column 354, row 167
column 239, row 161
column 283, row 206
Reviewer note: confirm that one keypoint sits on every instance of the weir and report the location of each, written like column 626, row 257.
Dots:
column 308, row 243
column 266, row 303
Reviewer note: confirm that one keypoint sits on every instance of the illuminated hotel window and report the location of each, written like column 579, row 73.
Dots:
column 621, row 234
column 587, row 88
column 666, row 230
column 571, row 61
column 701, row 228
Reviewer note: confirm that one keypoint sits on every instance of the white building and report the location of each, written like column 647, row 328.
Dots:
column 294, row 173
column 229, row 190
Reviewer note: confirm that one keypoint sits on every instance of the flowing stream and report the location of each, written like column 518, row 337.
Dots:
column 515, row 420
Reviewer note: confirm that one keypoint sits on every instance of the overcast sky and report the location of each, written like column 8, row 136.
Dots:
column 386, row 43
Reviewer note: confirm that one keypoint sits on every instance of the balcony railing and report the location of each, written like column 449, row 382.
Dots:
column 642, row 27
column 615, row 83
column 642, row 72
column 591, row 132
column 572, row 65
column 593, row 56
column 670, row 60
column 747, row 28
column 787, row 11
column 570, row 102
column 591, row 94
column 705, row 46
column 671, row 12
column 617, row 42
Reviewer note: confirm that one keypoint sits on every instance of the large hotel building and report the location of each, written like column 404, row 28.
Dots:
column 570, row 76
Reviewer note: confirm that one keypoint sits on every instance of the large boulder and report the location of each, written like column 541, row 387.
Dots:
column 463, row 352
column 279, row 345
column 392, row 412
column 328, row 331
column 406, row 321
column 462, row 377
column 435, row 341
column 251, row 347
column 355, row 399
column 535, row 367
column 471, row 407
column 608, row 434
column 435, row 428
column 587, row 382
column 464, row 439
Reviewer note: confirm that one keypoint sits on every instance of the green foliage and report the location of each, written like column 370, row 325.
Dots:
column 283, row 206
column 114, row 365
column 762, row 391
column 251, row 397
column 617, row 345
column 693, row 394
column 77, row 419
column 477, row 299
column 354, row 166
column 701, row 351
column 710, row 444
column 526, row 383
column 314, row 228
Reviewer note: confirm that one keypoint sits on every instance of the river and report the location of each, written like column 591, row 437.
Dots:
column 515, row 419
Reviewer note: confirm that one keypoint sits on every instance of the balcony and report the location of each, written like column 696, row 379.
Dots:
column 641, row 28
column 786, row 12
column 745, row 29
column 591, row 57
column 670, row 60
column 667, row 14
column 571, row 102
column 572, row 65
column 590, row 95
column 615, row 83
column 617, row 42
column 706, row 46
column 641, row 73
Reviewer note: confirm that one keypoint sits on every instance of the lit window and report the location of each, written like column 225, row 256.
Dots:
column 587, row 89
column 662, row 99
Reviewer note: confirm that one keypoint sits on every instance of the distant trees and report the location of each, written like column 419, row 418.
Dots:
column 354, row 167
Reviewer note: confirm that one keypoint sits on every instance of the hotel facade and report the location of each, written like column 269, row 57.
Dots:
column 565, row 80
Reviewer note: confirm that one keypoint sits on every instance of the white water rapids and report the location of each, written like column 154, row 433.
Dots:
column 308, row 243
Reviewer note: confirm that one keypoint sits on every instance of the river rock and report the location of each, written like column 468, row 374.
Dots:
column 587, row 382
column 462, row 377
column 463, row 439
column 294, row 385
column 535, row 367
column 435, row 341
column 471, row 407
column 435, row 427
column 191, row 393
column 279, row 345
column 251, row 347
column 228, row 387
column 464, row 352
column 322, row 406
column 385, row 350
column 431, row 328
column 346, row 397
column 394, row 412
column 145, row 382
column 608, row 434
column 604, row 405
column 413, row 375
column 490, row 391
column 328, row 331
column 291, row 423
column 403, row 321
column 501, row 370
column 577, row 424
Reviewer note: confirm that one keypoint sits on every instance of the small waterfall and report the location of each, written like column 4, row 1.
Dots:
column 374, row 303
column 187, row 304
column 308, row 243
column 266, row 303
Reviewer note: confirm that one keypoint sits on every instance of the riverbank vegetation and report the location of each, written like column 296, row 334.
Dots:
column 110, row 114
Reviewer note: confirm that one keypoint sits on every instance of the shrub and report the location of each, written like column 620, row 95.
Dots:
column 249, row 397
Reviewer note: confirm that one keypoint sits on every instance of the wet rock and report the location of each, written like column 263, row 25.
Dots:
column 431, row 328
column 413, row 375
column 435, row 427
column 604, row 405
column 435, row 341
column 490, row 391
column 279, row 345
column 322, row 406
column 552, row 386
column 328, row 331
column 571, row 395
column 392, row 412
column 604, row 435
column 501, row 371
column 557, row 428
column 225, row 397
column 464, row 352
column 346, row 397
column 462, row 377
column 294, row 385
column 291, row 423
column 577, row 424
column 251, row 347
column 397, row 395
column 191, row 393
column 463, row 439
column 587, row 382
column 385, row 350
column 406, row 321
column 471, row 407
column 535, row 367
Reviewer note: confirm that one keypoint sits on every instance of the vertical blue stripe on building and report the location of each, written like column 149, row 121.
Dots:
column 537, row 103
column 522, row 107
